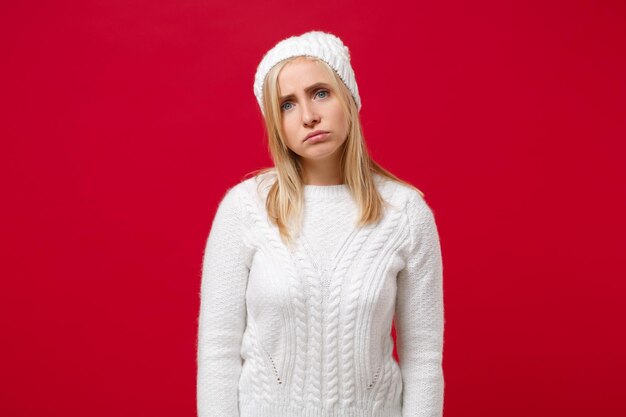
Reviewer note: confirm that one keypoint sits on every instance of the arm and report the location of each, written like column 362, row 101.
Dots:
column 222, row 314
column 420, row 316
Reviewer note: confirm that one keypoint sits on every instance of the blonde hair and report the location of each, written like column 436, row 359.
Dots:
column 285, row 200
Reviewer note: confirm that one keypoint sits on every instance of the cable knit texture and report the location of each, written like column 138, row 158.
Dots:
column 306, row 332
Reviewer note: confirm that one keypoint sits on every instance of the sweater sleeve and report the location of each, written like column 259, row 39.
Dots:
column 222, row 315
column 419, row 316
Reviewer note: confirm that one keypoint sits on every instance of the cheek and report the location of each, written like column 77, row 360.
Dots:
column 289, row 131
column 341, row 121
column 289, row 134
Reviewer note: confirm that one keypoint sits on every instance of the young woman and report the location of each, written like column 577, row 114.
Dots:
column 308, row 263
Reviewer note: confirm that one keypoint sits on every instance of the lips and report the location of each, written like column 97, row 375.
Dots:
column 312, row 134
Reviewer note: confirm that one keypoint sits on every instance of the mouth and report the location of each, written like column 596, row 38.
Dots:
column 315, row 135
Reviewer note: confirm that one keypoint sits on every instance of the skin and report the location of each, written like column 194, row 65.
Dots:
column 308, row 111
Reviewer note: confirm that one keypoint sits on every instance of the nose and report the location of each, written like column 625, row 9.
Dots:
column 309, row 115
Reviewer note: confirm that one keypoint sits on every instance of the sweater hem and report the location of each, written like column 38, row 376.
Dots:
column 275, row 410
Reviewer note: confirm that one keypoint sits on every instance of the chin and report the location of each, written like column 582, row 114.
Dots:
column 320, row 155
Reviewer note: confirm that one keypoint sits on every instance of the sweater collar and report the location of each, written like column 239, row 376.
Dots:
column 326, row 191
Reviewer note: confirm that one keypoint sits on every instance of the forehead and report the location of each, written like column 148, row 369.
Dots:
column 301, row 73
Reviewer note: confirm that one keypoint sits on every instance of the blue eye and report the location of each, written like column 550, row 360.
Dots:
column 323, row 91
column 326, row 92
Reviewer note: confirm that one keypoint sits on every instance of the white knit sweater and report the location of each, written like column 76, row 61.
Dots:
column 307, row 332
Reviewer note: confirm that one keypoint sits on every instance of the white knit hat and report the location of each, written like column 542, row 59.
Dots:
column 325, row 46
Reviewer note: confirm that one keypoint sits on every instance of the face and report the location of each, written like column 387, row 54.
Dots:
column 309, row 104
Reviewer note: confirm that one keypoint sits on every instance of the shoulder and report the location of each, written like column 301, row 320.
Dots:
column 254, row 189
column 229, row 203
column 247, row 197
column 404, row 196
column 418, row 214
column 414, row 201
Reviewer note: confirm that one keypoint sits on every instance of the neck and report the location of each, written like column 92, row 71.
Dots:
column 322, row 172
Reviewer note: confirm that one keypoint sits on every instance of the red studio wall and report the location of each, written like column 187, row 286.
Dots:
column 124, row 122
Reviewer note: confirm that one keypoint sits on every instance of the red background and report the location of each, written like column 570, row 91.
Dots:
column 123, row 123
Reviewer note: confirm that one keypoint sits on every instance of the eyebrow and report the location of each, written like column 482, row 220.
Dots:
column 309, row 88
